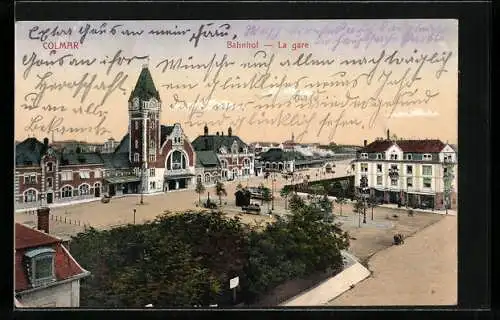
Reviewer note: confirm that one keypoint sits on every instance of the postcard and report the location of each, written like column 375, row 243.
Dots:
column 244, row 163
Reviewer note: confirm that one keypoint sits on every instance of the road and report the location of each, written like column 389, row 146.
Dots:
column 422, row 271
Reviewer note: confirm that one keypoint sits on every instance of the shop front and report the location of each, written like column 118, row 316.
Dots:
column 117, row 186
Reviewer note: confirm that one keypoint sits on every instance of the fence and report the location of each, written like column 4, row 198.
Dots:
column 62, row 219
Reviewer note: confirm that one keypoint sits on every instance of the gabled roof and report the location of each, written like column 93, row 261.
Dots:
column 207, row 158
column 144, row 88
column 215, row 142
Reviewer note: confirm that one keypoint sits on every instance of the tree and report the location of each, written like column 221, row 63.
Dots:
column 359, row 205
column 266, row 196
column 341, row 201
column 200, row 188
column 284, row 193
column 220, row 190
column 372, row 203
column 296, row 203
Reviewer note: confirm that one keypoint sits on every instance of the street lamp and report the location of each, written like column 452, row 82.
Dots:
column 134, row 215
column 393, row 174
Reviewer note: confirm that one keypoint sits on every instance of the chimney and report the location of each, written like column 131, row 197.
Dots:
column 388, row 135
column 222, row 133
column 46, row 142
column 365, row 142
column 205, row 130
column 217, row 133
column 230, row 132
column 43, row 219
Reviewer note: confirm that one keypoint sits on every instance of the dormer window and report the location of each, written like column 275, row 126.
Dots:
column 427, row 157
column 379, row 156
column 234, row 147
column 394, row 156
column 408, row 156
column 50, row 167
column 40, row 265
column 364, row 156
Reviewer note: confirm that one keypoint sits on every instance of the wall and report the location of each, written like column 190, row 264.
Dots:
column 65, row 295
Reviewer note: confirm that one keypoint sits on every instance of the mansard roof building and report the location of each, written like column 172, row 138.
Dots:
column 417, row 173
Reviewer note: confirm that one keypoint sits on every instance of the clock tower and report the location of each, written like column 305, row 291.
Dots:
column 144, row 107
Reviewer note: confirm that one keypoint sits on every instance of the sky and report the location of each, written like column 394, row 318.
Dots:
column 425, row 91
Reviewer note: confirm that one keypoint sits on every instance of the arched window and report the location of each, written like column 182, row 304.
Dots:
column 30, row 195
column 136, row 157
column 198, row 178
column 152, row 144
column 177, row 160
column 97, row 187
column 84, row 190
column 67, row 192
column 267, row 165
column 246, row 162
column 50, row 167
column 207, row 177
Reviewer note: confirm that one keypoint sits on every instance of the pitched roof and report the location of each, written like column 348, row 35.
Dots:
column 145, row 88
column 215, row 142
column 29, row 152
column 165, row 131
column 421, row 146
column 377, row 146
column 73, row 158
column 277, row 154
column 27, row 238
column 414, row 146
column 207, row 158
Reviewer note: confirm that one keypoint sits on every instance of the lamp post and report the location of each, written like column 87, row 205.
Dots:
column 134, row 215
column 393, row 174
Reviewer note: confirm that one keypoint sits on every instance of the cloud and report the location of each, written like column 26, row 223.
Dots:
column 415, row 113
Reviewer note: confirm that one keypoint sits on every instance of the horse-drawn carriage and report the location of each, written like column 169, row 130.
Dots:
column 398, row 239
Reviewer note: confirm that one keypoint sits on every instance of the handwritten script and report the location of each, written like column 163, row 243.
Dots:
column 313, row 79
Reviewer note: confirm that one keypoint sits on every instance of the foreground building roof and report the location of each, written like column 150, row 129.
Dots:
column 27, row 238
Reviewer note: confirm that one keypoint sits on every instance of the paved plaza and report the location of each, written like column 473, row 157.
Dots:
column 422, row 271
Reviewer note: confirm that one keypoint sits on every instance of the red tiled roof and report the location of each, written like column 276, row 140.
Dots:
column 421, row 146
column 28, row 238
column 377, row 146
column 417, row 146
column 65, row 266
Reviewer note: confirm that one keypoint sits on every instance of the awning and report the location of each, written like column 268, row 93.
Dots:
column 179, row 176
column 123, row 179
